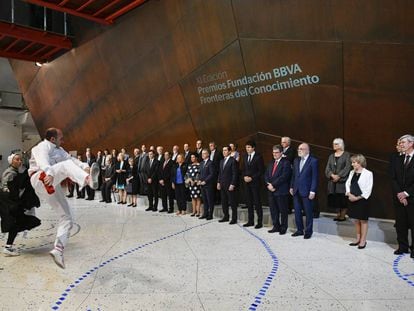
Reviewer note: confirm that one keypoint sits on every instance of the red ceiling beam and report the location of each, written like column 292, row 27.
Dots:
column 29, row 34
column 11, row 45
column 31, row 44
column 62, row 3
column 86, row 4
column 15, row 55
column 57, row 7
column 41, row 50
column 51, row 53
column 111, row 4
column 124, row 10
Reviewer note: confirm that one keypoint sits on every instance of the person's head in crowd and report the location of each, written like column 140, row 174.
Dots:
column 186, row 147
column 167, row 155
column 106, row 152
column 120, row 157
column 338, row 144
column 398, row 147
column 303, row 150
column 108, row 159
column 136, row 152
column 131, row 162
column 277, row 152
column 199, row 143
column 151, row 154
column 180, row 159
column 55, row 136
column 114, row 153
column 175, row 149
column 79, row 157
column 88, row 149
column 193, row 158
column 205, row 154
column 226, row 151
column 212, row 145
column 285, row 142
column 143, row 148
column 250, row 146
column 15, row 160
column 160, row 150
column 358, row 162
column 406, row 143
column 88, row 154
column 233, row 147
column 152, row 148
column 123, row 150
column 99, row 153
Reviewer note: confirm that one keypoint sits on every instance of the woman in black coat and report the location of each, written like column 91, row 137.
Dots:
column 178, row 183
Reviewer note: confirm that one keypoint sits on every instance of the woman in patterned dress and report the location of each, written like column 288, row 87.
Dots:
column 191, row 178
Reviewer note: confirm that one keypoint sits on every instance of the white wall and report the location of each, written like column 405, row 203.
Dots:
column 10, row 139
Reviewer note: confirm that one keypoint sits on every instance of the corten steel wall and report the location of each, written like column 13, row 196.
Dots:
column 136, row 82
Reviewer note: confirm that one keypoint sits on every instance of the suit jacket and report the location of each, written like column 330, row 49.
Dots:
column 151, row 171
column 307, row 180
column 290, row 154
column 90, row 161
column 187, row 158
column 174, row 171
column 281, row 178
column 164, row 172
column 254, row 169
column 342, row 168
column 365, row 182
column 403, row 178
column 217, row 157
column 229, row 174
column 207, row 172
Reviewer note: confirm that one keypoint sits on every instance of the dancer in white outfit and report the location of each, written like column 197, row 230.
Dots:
column 57, row 165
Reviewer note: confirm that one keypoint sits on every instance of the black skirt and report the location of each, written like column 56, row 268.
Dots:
column 359, row 209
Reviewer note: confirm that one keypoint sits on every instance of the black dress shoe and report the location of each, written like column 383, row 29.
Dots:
column 249, row 224
column 170, row 211
column 224, row 219
column 233, row 222
column 297, row 233
column 164, row 210
column 307, row 236
column 273, row 230
column 101, row 200
column 155, row 209
column 354, row 243
column 130, row 204
column 412, row 254
column 202, row 217
column 69, row 196
column 209, row 218
column 148, row 209
column 258, row 226
column 119, row 202
column 401, row 251
column 362, row 246
column 282, row 232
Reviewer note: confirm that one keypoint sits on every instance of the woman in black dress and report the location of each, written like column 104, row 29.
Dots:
column 191, row 179
column 132, row 182
column 120, row 178
column 358, row 190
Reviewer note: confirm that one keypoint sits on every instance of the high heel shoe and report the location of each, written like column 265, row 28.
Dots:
column 192, row 215
column 354, row 243
column 362, row 247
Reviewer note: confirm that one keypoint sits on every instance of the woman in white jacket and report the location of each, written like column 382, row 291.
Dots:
column 358, row 189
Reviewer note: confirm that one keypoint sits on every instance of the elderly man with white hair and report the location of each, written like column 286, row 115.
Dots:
column 50, row 164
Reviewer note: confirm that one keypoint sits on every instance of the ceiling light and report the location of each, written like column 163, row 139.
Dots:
column 38, row 64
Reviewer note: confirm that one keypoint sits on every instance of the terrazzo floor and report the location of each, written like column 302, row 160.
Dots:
column 123, row 258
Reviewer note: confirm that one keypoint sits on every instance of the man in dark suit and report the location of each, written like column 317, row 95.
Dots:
column 89, row 191
column 403, row 191
column 199, row 149
column 253, row 168
column 288, row 151
column 207, row 183
column 187, row 154
column 175, row 152
column 151, row 178
column 226, row 183
column 303, row 187
column 166, row 190
column 277, row 179
column 160, row 154
column 215, row 157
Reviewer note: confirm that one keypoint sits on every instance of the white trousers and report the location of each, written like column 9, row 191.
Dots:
column 57, row 200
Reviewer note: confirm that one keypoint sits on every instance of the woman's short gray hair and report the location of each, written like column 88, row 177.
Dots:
column 340, row 142
column 359, row 158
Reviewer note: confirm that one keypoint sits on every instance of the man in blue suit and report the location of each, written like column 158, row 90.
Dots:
column 207, row 182
column 303, row 187
column 277, row 179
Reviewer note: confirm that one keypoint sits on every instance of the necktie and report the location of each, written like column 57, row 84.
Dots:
column 407, row 161
column 249, row 159
column 165, row 163
column 275, row 167
column 225, row 161
column 151, row 163
column 302, row 162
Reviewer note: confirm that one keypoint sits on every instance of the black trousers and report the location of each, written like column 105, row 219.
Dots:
column 167, row 196
column 90, row 192
column 207, row 193
column 404, row 221
column 180, row 197
column 279, row 207
column 80, row 193
column 152, row 194
column 253, row 202
column 228, row 198
column 106, row 191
